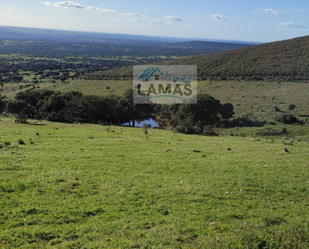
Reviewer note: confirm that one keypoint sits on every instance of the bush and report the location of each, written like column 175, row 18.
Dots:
column 292, row 107
column 277, row 109
column 209, row 131
column 21, row 142
column 186, row 129
column 246, row 121
column 288, row 119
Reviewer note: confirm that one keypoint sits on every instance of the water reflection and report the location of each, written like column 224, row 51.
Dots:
column 141, row 123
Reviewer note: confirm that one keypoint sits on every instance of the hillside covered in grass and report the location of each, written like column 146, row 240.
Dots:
column 277, row 61
column 77, row 186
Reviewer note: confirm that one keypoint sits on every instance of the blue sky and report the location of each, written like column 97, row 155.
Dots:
column 245, row 20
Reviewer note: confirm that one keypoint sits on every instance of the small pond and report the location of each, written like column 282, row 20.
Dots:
column 140, row 123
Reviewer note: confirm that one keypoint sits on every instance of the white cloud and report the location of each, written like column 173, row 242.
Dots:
column 98, row 9
column 65, row 4
column 174, row 18
column 150, row 21
column 220, row 17
column 271, row 11
column 3, row 16
column 167, row 23
column 293, row 25
column 8, row 8
column 147, row 9
column 133, row 14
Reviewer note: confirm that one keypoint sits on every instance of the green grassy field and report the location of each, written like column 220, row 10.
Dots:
column 88, row 186
column 88, row 87
column 254, row 98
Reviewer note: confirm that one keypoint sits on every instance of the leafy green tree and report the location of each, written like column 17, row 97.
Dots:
column 193, row 118
column 130, row 112
column 63, row 107
column 207, row 110
column 227, row 111
column 100, row 109
column 35, row 98
column 2, row 104
column 21, row 109
column 183, row 121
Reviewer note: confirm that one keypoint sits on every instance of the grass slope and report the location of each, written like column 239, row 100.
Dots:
column 85, row 185
column 277, row 61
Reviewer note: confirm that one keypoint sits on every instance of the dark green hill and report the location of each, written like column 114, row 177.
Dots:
column 277, row 61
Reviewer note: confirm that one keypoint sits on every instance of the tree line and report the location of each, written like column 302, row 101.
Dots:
column 73, row 107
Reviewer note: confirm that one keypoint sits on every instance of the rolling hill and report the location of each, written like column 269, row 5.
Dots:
column 286, row 60
column 278, row 61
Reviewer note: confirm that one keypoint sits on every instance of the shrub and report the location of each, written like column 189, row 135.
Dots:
column 209, row 131
column 277, row 109
column 288, row 119
column 246, row 121
column 186, row 129
column 21, row 142
column 7, row 143
column 292, row 107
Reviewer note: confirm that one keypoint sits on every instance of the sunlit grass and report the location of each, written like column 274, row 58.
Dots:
column 85, row 185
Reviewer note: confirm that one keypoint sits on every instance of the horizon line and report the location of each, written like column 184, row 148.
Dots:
column 150, row 36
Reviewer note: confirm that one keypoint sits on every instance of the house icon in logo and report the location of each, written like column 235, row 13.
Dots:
column 150, row 72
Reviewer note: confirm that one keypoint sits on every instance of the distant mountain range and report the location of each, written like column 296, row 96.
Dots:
column 19, row 33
